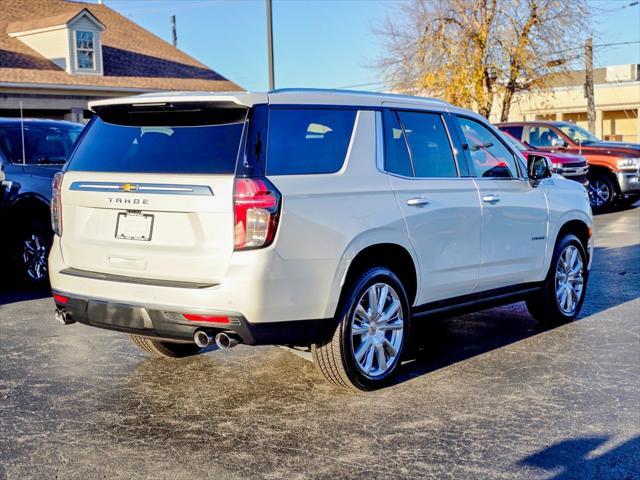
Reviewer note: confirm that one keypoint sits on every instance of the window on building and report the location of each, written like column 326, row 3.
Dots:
column 85, row 49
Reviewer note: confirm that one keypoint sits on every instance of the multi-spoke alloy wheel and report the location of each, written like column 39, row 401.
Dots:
column 569, row 279
column 562, row 293
column 376, row 330
column 34, row 257
column 373, row 325
column 599, row 193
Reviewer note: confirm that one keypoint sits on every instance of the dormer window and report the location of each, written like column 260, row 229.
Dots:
column 72, row 41
column 85, row 50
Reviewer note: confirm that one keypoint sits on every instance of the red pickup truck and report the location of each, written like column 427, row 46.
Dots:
column 614, row 167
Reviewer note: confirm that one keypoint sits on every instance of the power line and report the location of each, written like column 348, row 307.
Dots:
column 597, row 45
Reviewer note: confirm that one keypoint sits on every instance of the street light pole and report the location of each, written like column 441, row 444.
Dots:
column 272, row 79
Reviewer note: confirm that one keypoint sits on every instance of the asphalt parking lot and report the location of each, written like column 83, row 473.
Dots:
column 491, row 395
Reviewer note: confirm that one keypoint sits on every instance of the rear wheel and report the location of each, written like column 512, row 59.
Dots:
column 365, row 350
column 165, row 349
column 564, row 288
column 602, row 192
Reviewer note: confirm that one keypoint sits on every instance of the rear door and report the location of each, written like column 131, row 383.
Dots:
column 441, row 208
column 148, row 193
column 515, row 215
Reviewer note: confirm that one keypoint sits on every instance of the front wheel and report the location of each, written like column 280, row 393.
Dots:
column 33, row 243
column 602, row 192
column 365, row 350
column 563, row 291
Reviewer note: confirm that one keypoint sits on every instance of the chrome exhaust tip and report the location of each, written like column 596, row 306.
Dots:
column 63, row 317
column 202, row 338
column 227, row 340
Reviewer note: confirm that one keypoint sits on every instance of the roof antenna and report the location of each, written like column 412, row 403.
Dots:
column 174, row 32
column 22, row 133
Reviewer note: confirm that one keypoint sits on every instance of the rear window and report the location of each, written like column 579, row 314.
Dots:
column 183, row 140
column 43, row 144
column 514, row 130
column 308, row 141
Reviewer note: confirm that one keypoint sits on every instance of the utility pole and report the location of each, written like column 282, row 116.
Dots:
column 174, row 31
column 272, row 79
column 588, row 85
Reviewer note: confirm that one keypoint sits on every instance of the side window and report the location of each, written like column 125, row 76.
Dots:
column 429, row 144
column 490, row 157
column 396, row 155
column 515, row 131
column 307, row 141
column 541, row 136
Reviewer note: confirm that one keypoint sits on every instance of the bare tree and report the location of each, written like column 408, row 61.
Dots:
column 474, row 52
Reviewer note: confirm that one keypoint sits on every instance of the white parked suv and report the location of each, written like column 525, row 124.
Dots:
column 323, row 219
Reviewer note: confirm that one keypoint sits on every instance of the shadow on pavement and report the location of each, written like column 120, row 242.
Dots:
column 573, row 458
column 440, row 342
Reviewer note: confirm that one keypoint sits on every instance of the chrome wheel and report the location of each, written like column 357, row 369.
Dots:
column 34, row 257
column 376, row 330
column 599, row 193
column 569, row 279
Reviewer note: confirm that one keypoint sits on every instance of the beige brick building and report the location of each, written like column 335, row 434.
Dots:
column 617, row 99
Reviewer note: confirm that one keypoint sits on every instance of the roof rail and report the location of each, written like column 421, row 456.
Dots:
column 395, row 96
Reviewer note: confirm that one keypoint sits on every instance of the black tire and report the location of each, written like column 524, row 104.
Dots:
column 165, row 349
column 31, row 246
column 603, row 192
column 628, row 201
column 335, row 356
column 545, row 305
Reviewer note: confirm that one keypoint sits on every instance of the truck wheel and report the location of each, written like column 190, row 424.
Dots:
column 165, row 349
column 563, row 291
column 365, row 350
column 602, row 192
column 32, row 247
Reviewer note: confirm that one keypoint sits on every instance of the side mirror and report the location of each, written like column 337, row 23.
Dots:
column 538, row 167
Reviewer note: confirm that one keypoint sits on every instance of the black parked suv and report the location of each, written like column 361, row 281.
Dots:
column 31, row 152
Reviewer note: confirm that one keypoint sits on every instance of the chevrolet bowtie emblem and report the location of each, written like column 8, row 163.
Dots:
column 129, row 187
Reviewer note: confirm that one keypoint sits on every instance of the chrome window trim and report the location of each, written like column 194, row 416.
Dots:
column 151, row 188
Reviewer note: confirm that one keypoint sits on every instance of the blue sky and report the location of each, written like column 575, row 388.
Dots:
column 320, row 43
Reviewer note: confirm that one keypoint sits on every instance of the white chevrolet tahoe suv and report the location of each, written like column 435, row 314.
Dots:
column 323, row 219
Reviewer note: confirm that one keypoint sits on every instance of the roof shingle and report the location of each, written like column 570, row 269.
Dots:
column 132, row 56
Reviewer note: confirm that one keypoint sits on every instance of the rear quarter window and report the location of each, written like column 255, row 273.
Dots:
column 308, row 140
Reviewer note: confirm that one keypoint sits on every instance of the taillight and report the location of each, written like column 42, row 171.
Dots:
column 256, row 206
column 56, row 203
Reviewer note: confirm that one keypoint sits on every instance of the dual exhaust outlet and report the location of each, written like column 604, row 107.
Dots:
column 63, row 317
column 224, row 340
column 202, row 338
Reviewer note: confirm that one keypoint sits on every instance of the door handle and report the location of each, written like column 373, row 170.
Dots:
column 417, row 202
column 491, row 198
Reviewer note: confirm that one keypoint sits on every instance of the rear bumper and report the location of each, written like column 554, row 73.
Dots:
column 629, row 183
column 258, row 285
column 167, row 323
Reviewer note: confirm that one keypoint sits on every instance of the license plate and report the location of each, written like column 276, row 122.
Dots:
column 134, row 226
